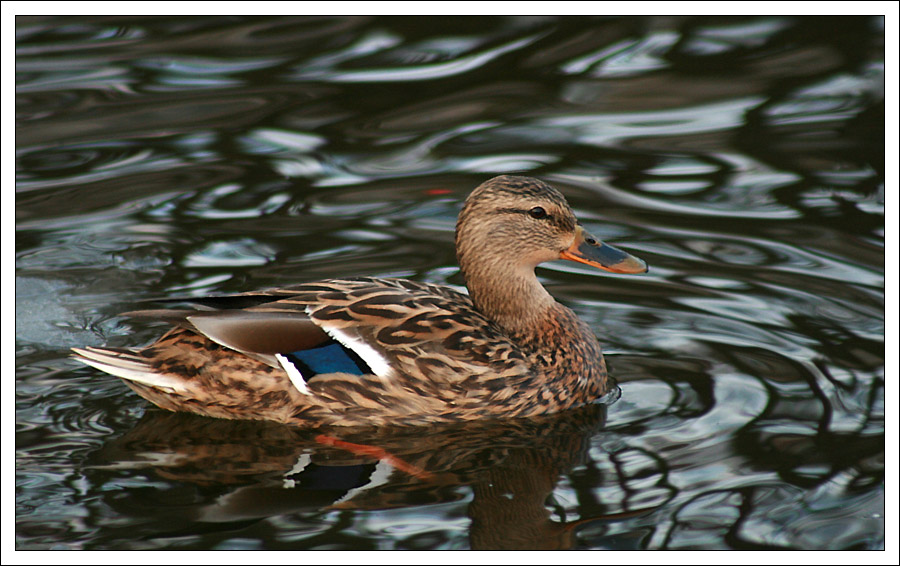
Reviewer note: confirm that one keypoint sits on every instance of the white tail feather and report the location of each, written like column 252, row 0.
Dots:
column 126, row 366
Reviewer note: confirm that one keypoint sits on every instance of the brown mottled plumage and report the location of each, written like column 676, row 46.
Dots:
column 430, row 353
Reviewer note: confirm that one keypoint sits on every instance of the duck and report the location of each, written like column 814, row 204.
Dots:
column 373, row 352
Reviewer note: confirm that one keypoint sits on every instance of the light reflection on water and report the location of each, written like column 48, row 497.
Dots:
column 741, row 157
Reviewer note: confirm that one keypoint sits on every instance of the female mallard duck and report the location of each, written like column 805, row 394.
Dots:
column 369, row 351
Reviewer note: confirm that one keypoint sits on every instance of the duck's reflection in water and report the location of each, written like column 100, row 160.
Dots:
column 245, row 471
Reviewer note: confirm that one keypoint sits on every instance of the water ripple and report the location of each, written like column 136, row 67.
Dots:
column 327, row 69
column 742, row 157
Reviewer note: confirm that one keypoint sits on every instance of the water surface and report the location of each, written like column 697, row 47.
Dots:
column 742, row 158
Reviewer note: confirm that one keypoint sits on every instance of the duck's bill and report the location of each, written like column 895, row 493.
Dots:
column 591, row 251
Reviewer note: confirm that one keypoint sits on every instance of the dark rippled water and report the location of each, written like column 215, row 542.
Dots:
column 743, row 158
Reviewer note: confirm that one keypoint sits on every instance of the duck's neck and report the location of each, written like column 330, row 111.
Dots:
column 511, row 297
column 548, row 333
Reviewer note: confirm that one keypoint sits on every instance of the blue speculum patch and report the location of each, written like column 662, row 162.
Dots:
column 332, row 357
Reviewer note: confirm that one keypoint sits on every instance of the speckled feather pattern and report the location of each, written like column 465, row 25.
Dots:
column 450, row 363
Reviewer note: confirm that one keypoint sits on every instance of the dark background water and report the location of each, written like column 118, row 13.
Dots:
column 742, row 157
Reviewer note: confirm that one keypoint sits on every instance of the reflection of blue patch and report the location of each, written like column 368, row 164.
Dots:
column 343, row 478
column 332, row 357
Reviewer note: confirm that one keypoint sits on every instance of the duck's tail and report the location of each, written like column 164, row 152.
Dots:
column 128, row 364
column 208, row 380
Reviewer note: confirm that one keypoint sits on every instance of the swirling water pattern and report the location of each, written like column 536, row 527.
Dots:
column 743, row 158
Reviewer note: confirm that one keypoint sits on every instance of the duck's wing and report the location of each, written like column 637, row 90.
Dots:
column 386, row 327
column 357, row 351
column 401, row 327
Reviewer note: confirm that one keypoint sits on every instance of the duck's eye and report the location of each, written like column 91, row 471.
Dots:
column 538, row 212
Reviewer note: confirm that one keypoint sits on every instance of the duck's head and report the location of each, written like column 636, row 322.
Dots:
column 511, row 224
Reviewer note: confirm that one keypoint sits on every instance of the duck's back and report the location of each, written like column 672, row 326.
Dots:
column 422, row 331
column 415, row 353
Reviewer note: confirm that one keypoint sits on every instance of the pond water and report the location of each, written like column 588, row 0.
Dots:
column 742, row 158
